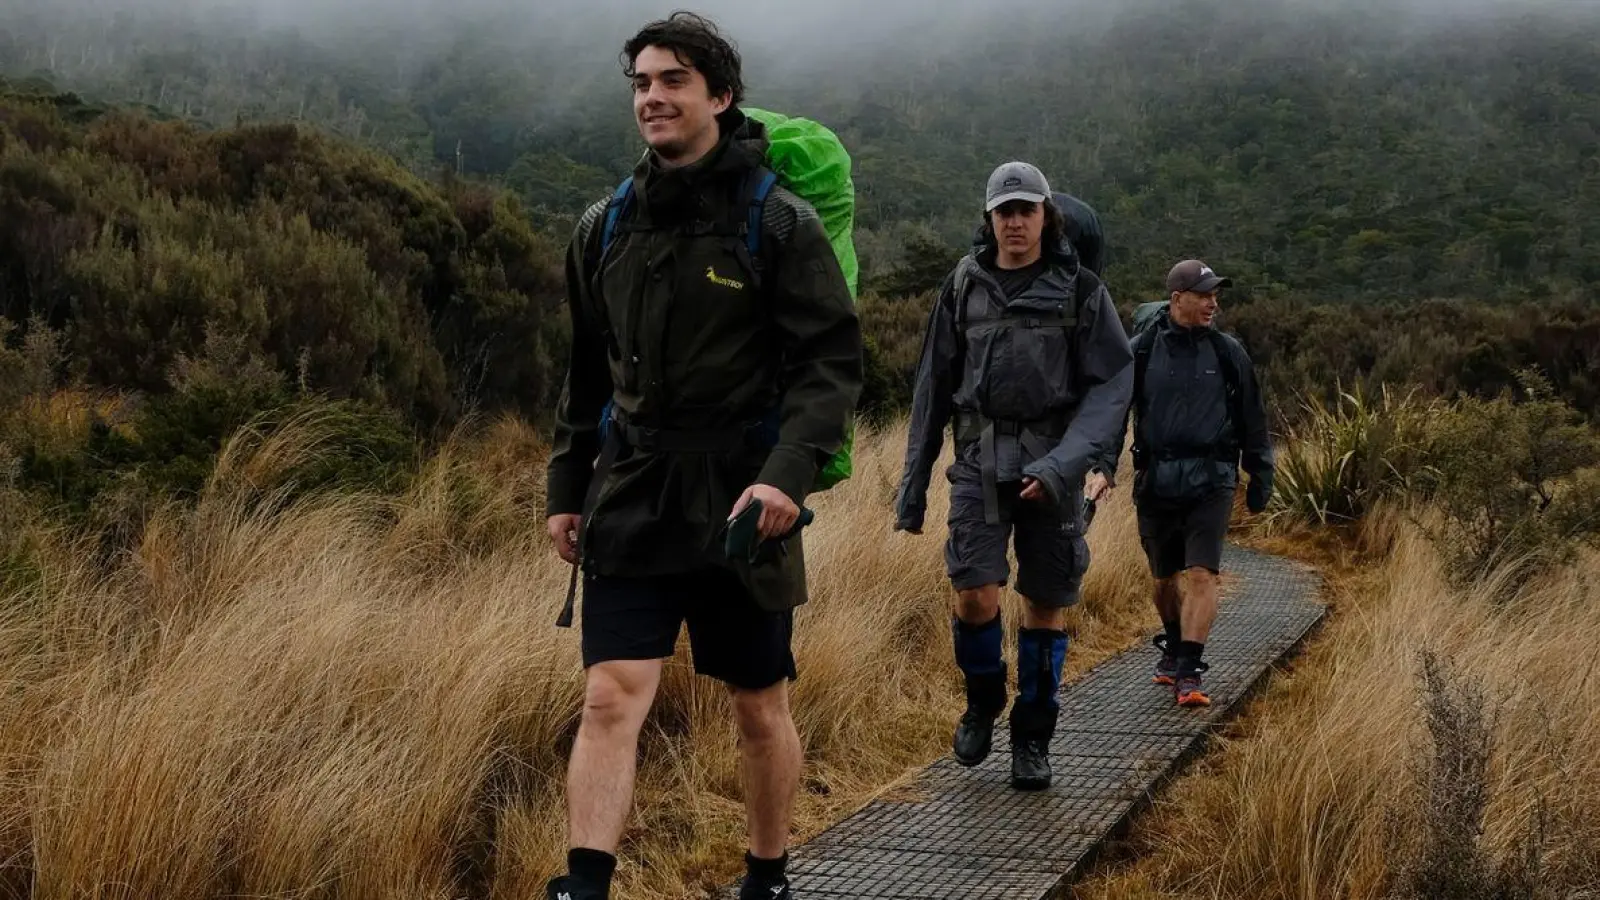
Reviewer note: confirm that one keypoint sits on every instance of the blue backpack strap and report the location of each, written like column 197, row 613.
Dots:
column 766, row 179
column 620, row 199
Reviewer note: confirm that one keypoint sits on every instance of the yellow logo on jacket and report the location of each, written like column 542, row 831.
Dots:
column 714, row 278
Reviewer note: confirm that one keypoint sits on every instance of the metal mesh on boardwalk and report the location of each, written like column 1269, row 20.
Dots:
column 964, row 834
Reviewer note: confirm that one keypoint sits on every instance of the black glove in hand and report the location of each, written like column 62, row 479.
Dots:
column 1258, row 492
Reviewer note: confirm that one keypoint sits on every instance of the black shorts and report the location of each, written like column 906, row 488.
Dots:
column 732, row 639
column 1051, row 557
column 1185, row 536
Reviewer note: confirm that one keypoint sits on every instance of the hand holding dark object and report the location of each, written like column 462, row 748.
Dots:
column 1258, row 492
column 564, row 532
column 778, row 512
column 1033, row 489
column 742, row 536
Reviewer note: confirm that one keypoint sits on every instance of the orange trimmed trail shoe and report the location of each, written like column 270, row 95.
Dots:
column 1187, row 688
column 1167, row 665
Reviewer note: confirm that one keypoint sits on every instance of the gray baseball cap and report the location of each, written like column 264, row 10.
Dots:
column 1016, row 181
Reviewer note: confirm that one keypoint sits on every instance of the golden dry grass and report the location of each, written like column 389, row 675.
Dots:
column 1316, row 792
column 366, row 697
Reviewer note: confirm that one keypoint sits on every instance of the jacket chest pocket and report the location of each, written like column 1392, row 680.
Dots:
column 1020, row 368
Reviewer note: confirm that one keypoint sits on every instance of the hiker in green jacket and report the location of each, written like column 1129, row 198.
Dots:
column 701, row 381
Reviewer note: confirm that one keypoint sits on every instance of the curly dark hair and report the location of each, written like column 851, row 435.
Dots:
column 696, row 42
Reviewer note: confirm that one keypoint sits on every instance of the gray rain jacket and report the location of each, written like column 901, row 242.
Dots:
column 1037, row 386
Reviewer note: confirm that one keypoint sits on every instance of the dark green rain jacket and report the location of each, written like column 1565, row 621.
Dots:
column 695, row 349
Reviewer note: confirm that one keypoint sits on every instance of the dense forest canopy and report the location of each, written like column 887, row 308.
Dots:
column 370, row 202
column 1374, row 151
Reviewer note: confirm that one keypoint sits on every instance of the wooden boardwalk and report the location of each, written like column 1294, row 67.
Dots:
column 964, row 834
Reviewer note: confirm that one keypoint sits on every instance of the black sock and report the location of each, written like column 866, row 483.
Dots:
column 766, row 871
column 1190, row 650
column 1174, row 636
column 592, row 867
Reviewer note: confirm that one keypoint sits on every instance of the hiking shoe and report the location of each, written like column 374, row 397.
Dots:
column 1030, row 765
column 565, row 888
column 1167, row 665
column 973, row 737
column 757, row 890
column 1187, row 687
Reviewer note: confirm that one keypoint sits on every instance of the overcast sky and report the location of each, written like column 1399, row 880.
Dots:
column 833, row 22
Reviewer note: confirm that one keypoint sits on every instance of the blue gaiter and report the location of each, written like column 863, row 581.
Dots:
column 978, row 646
column 1041, row 654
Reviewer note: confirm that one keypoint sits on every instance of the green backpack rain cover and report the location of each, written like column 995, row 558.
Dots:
column 811, row 162
column 1145, row 314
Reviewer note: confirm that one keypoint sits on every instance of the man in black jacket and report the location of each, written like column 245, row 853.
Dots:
column 1197, row 411
column 698, row 350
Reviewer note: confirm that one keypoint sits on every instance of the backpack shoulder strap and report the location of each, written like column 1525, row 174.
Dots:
column 1142, row 344
column 1224, row 347
column 959, row 291
column 616, row 207
column 758, row 186
column 1223, row 344
column 1088, row 283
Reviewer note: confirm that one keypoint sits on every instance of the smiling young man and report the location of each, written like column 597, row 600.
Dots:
column 1025, row 352
column 682, row 347
column 1197, row 411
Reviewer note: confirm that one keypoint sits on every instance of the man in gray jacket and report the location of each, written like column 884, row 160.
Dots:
column 1026, row 357
column 1197, row 413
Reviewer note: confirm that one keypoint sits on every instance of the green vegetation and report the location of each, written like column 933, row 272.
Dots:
column 1312, row 152
column 184, row 284
column 374, row 215
column 1511, row 483
column 256, row 291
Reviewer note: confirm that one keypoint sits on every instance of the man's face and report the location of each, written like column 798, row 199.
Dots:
column 1018, row 226
column 1192, row 308
column 674, row 106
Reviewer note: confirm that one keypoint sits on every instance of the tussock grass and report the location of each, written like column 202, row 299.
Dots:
column 1339, row 459
column 351, row 695
column 1424, row 715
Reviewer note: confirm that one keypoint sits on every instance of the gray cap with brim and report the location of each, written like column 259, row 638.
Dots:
column 1016, row 181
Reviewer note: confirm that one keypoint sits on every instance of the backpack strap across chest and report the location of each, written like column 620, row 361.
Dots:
column 1144, row 346
column 1084, row 287
column 757, row 187
column 975, row 426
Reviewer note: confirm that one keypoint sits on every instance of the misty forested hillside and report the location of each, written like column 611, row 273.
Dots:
column 1361, row 172
column 1332, row 154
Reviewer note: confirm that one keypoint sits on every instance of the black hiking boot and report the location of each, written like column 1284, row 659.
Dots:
column 1030, row 764
column 986, row 697
column 765, row 879
column 568, row 888
column 1032, row 726
column 753, row 889
column 974, row 737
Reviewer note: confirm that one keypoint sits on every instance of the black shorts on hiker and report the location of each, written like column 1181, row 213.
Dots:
column 1185, row 535
column 1051, row 558
column 732, row 639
